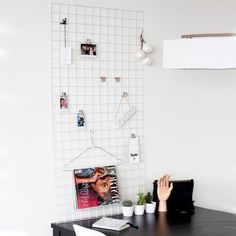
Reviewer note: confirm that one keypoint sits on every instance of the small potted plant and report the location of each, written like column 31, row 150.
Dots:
column 127, row 208
column 140, row 206
column 150, row 205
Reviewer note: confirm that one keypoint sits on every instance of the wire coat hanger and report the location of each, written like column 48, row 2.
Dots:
column 66, row 166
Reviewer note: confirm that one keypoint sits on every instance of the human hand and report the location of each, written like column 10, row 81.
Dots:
column 163, row 190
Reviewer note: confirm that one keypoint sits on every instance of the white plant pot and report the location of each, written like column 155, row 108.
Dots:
column 139, row 209
column 128, row 211
column 150, row 207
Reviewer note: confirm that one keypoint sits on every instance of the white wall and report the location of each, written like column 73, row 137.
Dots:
column 26, row 166
column 190, row 122
column 189, row 115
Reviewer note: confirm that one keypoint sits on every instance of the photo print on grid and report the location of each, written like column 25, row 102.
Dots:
column 63, row 101
column 81, row 119
column 88, row 49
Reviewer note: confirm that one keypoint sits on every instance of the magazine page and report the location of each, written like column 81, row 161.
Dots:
column 96, row 186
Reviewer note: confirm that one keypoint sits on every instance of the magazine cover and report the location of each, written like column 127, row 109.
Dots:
column 96, row 186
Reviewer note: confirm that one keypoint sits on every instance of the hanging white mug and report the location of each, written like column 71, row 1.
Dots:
column 140, row 54
column 147, row 47
column 147, row 61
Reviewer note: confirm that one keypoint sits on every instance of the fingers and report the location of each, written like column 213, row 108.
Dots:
column 161, row 181
column 164, row 181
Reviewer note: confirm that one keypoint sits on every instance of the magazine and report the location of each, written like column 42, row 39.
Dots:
column 96, row 186
column 111, row 223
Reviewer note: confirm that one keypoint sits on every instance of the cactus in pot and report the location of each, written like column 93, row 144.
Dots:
column 127, row 203
column 127, row 208
column 148, row 198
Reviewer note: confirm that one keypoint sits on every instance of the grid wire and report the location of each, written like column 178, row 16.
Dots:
column 116, row 34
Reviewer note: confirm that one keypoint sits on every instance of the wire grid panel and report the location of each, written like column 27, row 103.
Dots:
column 116, row 33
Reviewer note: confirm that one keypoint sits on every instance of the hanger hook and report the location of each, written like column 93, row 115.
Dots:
column 142, row 41
column 125, row 94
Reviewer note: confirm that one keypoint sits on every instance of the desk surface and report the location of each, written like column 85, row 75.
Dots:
column 203, row 222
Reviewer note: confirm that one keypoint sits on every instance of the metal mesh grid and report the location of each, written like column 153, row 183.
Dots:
column 116, row 34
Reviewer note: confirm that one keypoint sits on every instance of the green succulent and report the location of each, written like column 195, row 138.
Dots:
column 141, row 199
column 127, row 203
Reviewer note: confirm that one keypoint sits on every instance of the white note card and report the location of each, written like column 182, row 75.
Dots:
column 65, row 56
column 134, row 150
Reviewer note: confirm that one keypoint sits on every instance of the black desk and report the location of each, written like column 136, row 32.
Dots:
column 203, row 222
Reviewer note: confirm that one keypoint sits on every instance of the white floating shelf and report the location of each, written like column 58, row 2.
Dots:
column 200, row 53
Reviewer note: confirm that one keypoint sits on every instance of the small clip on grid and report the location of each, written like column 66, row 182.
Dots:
column 64, row 22
column 117, row 79
column 89, row 41
column 125, row 94
column 103, row 78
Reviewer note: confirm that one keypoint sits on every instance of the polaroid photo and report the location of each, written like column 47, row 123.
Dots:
column 63, row 101
column 88, row 49
column 81, row 119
